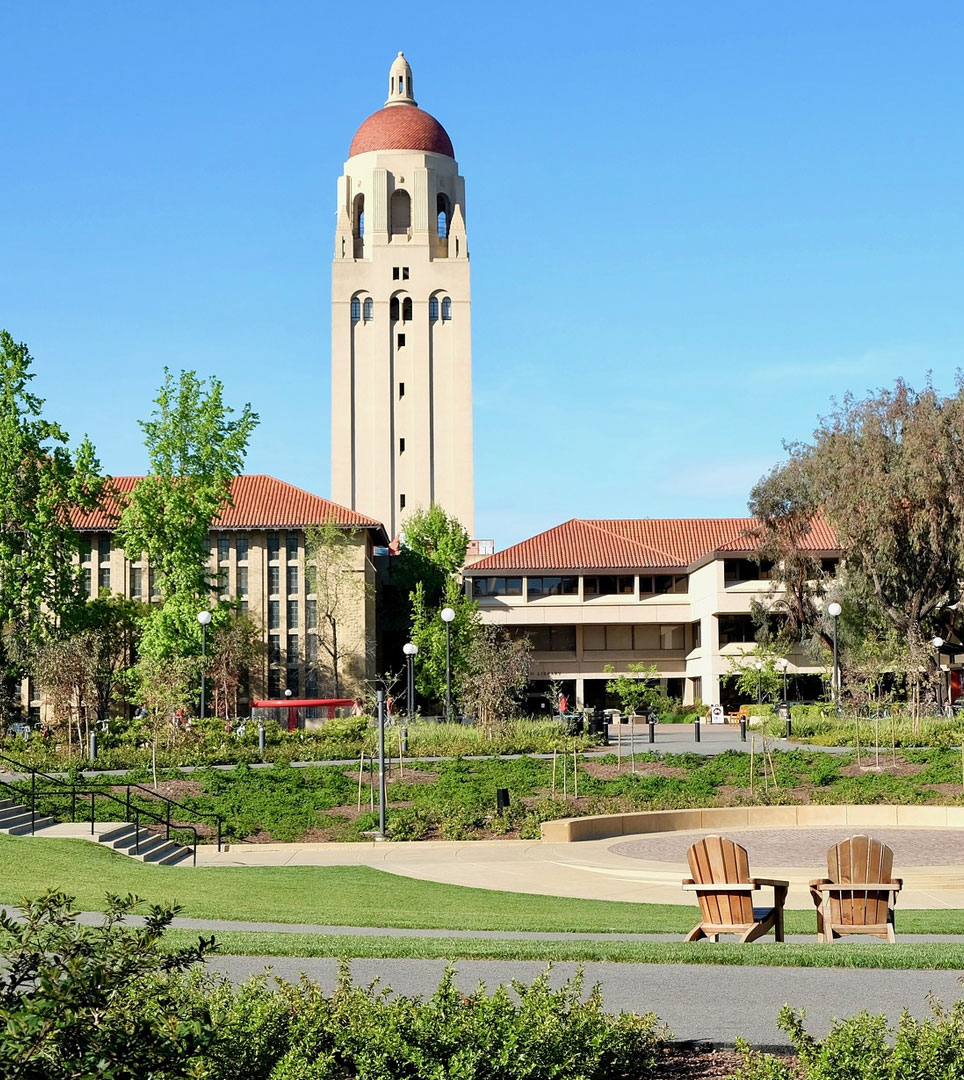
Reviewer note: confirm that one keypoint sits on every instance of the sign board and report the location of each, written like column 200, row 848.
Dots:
column 716, row 714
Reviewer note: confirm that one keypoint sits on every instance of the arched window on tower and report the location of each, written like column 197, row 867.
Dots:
column 355, row 309
column 444, row 215
column 433, row 309
column 358, row 217
column 393, row 309
column 446, row 309
column 401, row 208
column 407, row 309
column 369, row 309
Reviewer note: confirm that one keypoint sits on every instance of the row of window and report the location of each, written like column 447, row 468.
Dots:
column 364, row 311
column 620, row 637
column 400, row 214
column 593, row 586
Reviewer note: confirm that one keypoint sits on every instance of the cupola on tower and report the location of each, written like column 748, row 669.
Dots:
column 400, row 330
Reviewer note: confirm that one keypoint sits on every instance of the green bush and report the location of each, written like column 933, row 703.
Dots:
column 865, row 1047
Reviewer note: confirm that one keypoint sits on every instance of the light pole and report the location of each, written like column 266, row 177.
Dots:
column 410, row 649
column 833, row 610
column 203, row 617
column 759, row 681
column 937, row 643
column 782, row 664
column 447, row 616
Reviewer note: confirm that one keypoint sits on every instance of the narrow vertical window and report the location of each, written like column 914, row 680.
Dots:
column 407, row 309
column 401, row 502
column 369, row 309
column 446, row 310
column 401, row 446
column 433, row 309
column 355, row 309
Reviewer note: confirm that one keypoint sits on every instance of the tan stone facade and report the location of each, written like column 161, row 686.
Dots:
column 401, row 320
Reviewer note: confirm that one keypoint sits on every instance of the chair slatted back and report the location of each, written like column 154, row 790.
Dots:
column 861, row 860
column 715, row 861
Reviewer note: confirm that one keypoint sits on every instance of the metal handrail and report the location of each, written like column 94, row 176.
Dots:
column 76, row 789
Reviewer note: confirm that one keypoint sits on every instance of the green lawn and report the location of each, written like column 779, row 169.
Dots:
column 766, row 954
column 352, row 896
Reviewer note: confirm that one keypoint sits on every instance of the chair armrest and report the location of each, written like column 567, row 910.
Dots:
column 775, row 882
column 723, row 888
column 688, row 881
column 857, row 886
column 897, row 883
column 816, row 882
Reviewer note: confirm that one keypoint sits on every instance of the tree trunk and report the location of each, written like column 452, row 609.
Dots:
column 334, row 657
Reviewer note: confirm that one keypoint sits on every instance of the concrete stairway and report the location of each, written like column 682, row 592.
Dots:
column 122, row 836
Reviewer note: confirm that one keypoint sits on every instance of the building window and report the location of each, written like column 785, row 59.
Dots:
column 396, row 273
column 697, row 633
column 274, row 614
column 88, row 580
column 400, row 210
column 497, row 586
column 311, row 684
column 103, row 549
column 311, row 614
column 85, row 549
column 401, row 390
column 224, row 547
column 274, row 580
column 401, row 446
column 292, row 579
column 736, row 629
column 243, row 607
column 355, row 309
column 608, row 585
column 359, row 215
column 103, row 578
column 241, row 548
column 242, row 581
column 137, row 582
column 393, row 310
column 274, row 546
column 659, row 584
column 401, row 341
column 369, row 309
column 401, row 502
column 311, row 647
column 152, row 583
column 407, row 309
column 292, row 614
column 293, row 650
column 291, row 546
column 274, row 683
column 672, row 637
column 829, row 567
column 552, row 586
column 294, row 681
column 433, row 309
column 550, row 638
column 736, row 571
column 446, row 309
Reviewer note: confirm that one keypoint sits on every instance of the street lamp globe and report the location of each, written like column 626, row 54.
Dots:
column 937, row 642
column 410, row 648
column 758, row 665
column 204, row 617
column 447, row 614
column 834, row 609
column 287, row 691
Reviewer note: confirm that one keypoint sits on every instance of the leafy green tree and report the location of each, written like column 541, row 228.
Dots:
column 237, row 646
column 40, row 482
column 195, row 447
column 435, row 542
column 165, row 693
column 428, row 633
column 637, row 689
column 96, row 1001
column 750, row 680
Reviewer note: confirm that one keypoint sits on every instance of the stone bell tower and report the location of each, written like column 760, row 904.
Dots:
column 401, row 361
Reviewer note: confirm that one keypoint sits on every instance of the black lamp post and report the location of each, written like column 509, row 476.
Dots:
column 203, row 617
column 410, row 649
column 937, row 643
column 447, row 616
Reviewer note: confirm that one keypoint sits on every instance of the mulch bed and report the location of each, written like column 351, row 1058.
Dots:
column 643, row 768
column 696, row 1063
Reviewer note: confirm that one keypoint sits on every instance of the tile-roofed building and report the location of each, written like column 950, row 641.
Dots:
column 258, row 561
column 669, row 592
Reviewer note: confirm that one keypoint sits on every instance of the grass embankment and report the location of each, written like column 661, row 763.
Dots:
column 361, row 896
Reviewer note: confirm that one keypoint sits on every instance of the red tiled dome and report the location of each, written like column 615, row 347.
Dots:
column 401, row 127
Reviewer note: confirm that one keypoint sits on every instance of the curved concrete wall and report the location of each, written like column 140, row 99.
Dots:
column 599, row 826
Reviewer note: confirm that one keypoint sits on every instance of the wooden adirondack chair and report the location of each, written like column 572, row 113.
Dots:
column 859, row 893
column 722, row 883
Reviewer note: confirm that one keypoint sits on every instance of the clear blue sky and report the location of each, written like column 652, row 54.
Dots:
column 691, row 224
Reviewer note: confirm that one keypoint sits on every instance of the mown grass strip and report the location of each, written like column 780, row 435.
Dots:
column 772, row 954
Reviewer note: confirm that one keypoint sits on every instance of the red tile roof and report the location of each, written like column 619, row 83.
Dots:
column 637, row 543
column 260, row 502
column 401, row 127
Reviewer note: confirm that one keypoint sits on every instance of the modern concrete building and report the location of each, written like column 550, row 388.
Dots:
column 258, row 559
column 672, row 593
column 401, row 401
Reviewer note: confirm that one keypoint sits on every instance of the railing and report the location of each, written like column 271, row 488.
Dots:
column 75, row 790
